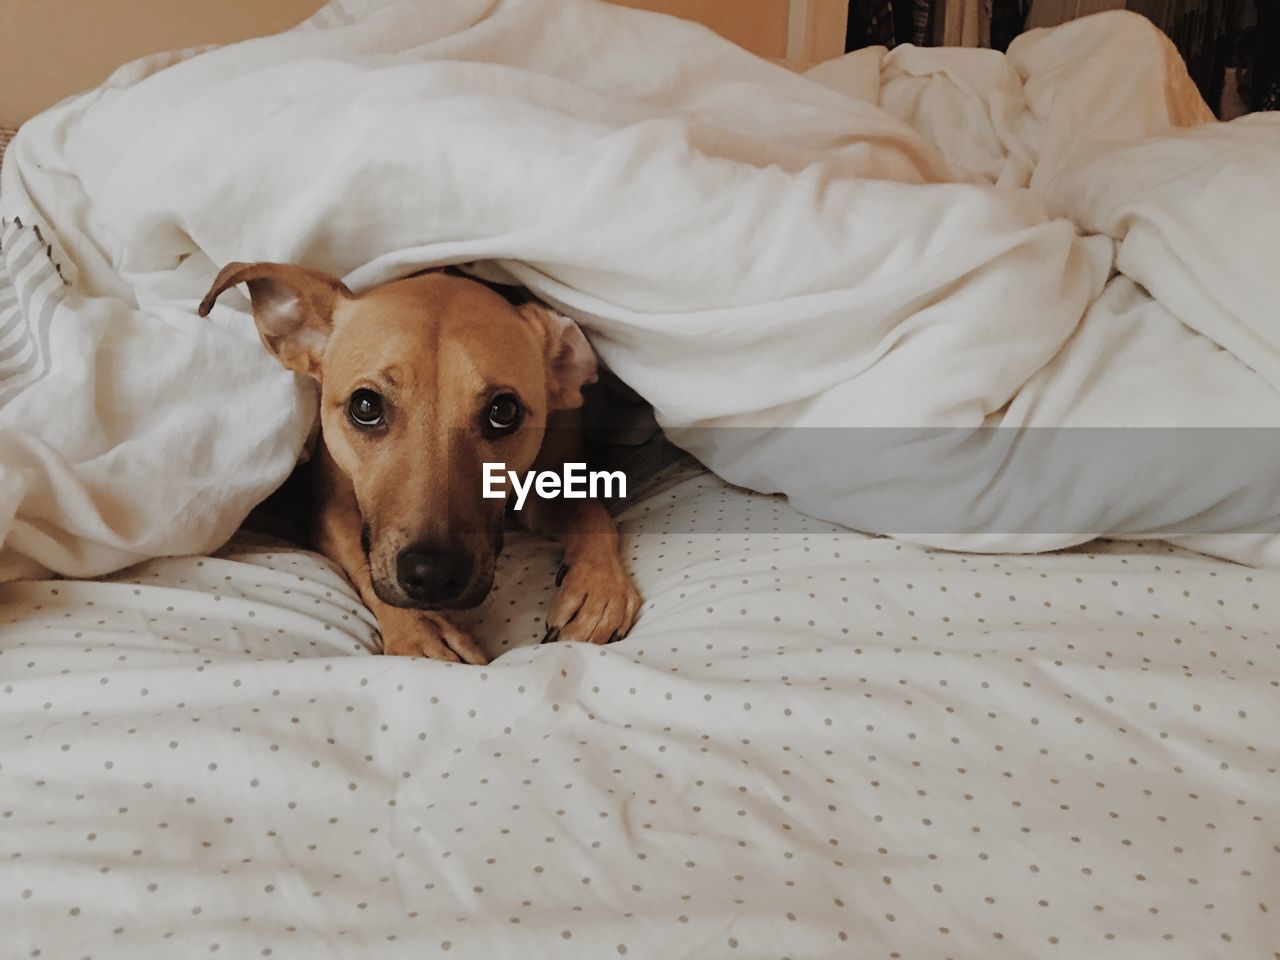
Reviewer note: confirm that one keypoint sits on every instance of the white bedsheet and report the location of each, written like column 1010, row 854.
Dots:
column 814, row 745
column 744, row 245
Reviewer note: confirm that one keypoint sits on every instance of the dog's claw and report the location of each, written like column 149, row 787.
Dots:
column 414, row 634
column 597, row 603
column 552, row 635
column 564, row 568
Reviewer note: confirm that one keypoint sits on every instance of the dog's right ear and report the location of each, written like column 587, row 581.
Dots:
column 571, row 363
column 292, row 306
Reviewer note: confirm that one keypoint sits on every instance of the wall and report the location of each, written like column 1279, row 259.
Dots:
column 52, row 48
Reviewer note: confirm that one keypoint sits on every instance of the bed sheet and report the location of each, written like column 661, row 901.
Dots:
column 814, row 744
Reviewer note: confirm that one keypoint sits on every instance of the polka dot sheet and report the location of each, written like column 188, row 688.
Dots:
column 814, row 744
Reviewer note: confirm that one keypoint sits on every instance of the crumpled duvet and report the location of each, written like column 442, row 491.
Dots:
column 946, row 239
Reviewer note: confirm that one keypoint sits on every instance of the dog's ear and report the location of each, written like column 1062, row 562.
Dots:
column 292, row 306
column 571, row 363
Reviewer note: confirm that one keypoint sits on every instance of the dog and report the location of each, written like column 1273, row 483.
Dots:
column 423, row 380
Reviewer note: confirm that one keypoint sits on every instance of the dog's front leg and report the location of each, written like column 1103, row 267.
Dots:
column 598, row 602
column 405, row 632
column 417, row 633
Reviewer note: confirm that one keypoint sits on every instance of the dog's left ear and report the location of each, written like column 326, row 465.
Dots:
column 292, row 307
column 571, row 363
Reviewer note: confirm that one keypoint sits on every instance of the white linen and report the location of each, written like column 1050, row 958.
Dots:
column 744, row 245
column 818, row 745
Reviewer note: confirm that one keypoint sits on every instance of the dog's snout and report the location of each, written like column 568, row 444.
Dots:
column 433, row 576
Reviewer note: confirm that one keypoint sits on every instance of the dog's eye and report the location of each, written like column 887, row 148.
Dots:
column 504, row 413
column 365, row 409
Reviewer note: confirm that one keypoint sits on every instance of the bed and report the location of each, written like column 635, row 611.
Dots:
column 814, row 743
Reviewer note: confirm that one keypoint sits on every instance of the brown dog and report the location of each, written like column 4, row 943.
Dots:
column 422, row 381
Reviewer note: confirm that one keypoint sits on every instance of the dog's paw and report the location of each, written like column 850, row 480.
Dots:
column 598, row 603
column 419, row 634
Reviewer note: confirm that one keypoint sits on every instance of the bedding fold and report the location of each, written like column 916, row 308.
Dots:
column 915, row 239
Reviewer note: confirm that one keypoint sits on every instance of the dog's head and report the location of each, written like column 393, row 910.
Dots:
column 423, row 380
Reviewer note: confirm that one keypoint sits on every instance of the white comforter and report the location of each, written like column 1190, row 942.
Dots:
column 744, row 245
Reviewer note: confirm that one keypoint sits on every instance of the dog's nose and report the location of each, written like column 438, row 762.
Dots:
column 430, row 576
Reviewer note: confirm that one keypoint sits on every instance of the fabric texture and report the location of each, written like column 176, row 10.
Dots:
column 814, row 744
column 905, row 239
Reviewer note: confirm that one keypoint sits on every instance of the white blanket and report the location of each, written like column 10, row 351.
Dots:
column 849, row 748
column 744, row 245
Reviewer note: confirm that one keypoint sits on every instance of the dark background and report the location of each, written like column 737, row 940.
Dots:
column 1232, row 47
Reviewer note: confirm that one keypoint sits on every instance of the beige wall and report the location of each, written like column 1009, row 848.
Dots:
column 759, row 25
column 52, row 48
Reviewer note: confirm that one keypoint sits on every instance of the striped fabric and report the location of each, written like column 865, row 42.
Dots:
column 31, row 288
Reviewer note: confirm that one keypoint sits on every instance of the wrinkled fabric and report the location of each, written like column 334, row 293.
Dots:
column 823, row 745
column 917, row 238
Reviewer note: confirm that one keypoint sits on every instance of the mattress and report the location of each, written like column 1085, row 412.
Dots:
column 814, row 744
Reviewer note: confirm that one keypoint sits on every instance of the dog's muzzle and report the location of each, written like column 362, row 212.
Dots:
column 434, row 577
